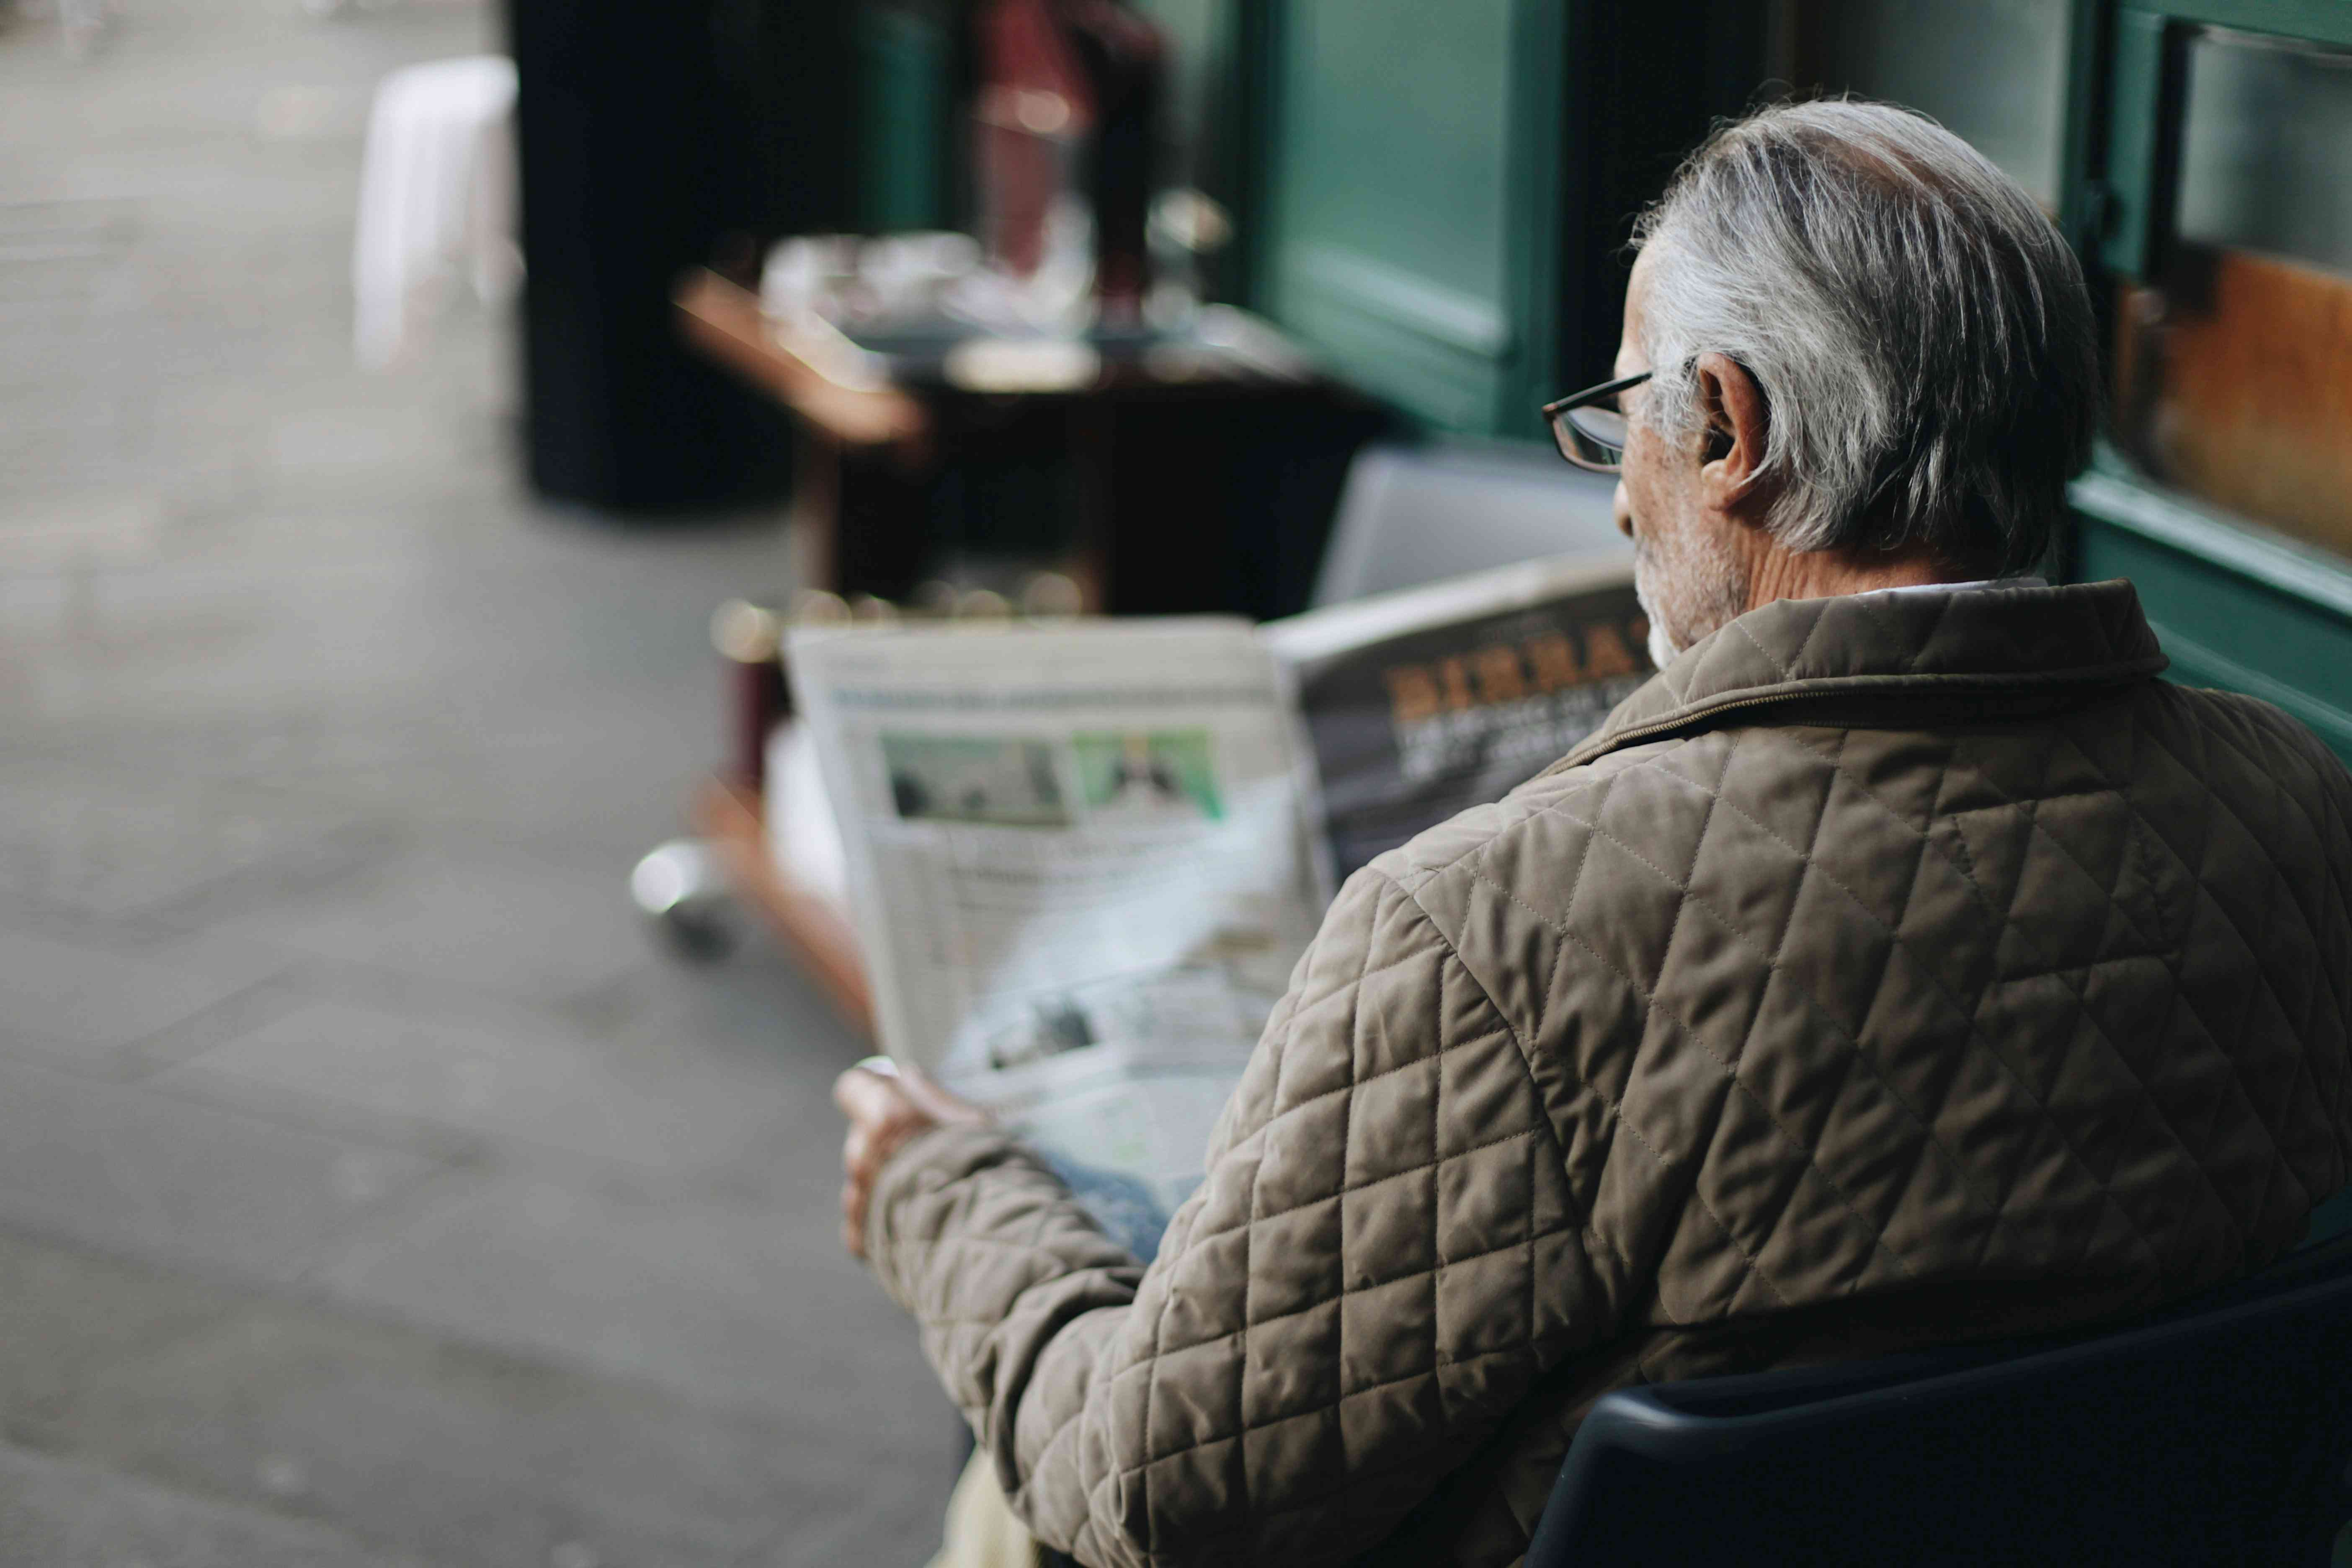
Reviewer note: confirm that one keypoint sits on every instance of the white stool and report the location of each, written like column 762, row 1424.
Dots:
column 437, row 201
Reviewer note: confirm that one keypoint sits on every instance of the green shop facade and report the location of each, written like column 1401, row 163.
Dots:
column 1437, row 200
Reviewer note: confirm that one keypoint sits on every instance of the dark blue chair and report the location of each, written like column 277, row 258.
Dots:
column 2217, row 1433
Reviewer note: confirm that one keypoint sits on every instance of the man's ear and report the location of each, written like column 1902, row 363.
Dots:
column 1738, row 421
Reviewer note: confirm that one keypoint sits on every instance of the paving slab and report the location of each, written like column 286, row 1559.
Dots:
column 121, row 1166
column 63, row 1515
column 499, row 1073
column 93, row 841
column 89, row 998
column 474, row 914
column 721, row 1299
column 364, row 1170
column 298, row 1408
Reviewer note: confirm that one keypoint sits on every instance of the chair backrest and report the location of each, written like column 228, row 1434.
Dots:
column 1410, row 515
column 2217, row 1435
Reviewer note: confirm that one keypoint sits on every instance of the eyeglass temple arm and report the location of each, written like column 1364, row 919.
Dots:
column 1591, row 393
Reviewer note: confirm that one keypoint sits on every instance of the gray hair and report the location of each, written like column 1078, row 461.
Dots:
column 1920, row 331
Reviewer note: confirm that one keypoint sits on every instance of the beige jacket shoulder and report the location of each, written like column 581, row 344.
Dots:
column 1890, row 969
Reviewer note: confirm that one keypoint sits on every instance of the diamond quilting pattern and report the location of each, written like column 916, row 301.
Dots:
column 1756, row 1018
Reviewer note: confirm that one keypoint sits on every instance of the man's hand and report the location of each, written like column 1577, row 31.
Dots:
column 885, row 1105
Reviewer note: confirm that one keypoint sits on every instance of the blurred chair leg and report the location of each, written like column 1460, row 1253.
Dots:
column 681, row 887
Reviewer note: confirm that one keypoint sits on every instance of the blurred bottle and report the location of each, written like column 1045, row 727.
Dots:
column 1125, row 59
column 1067, row 128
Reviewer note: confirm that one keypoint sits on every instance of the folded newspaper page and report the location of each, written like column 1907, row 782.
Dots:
column 1424, row 703
column 1084, row 859
column 1078, row 859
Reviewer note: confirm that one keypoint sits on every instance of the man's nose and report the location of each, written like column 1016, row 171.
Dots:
column 1623, row 509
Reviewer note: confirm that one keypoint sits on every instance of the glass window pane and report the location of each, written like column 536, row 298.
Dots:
column 2266, row 149
column 1992, row 71
column 2233, row 364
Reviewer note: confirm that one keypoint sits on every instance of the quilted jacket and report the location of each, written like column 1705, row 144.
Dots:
column 1891, row 968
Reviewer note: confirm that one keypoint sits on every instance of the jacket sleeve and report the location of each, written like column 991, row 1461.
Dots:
column 1382, row 1257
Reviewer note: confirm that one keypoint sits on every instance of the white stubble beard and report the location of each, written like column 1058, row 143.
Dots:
column 1688, row 592
column 1663, row 649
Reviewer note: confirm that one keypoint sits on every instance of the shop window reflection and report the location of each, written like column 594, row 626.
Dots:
column 2234, row 363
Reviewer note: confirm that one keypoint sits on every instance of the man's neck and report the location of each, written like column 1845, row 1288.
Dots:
column 1826, row 573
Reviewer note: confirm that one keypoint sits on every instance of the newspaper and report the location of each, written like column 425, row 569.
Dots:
column 1079, row 860
column 1422, row 703
column 1084, row 860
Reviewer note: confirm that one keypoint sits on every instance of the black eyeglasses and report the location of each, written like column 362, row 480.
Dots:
column 1589, row 427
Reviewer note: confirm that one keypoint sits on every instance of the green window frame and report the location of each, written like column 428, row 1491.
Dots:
column 2236, row 604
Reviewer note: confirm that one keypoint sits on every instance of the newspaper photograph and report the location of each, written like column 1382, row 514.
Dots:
column 1078, row 859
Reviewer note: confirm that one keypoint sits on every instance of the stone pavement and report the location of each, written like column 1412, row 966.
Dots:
column 371, row 1190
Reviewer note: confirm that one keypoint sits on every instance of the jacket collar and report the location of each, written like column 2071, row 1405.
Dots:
column 1961, row 642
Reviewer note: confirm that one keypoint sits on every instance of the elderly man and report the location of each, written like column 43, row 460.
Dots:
column 1905, row 962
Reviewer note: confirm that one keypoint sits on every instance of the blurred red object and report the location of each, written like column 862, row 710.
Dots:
column 1069, row 106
